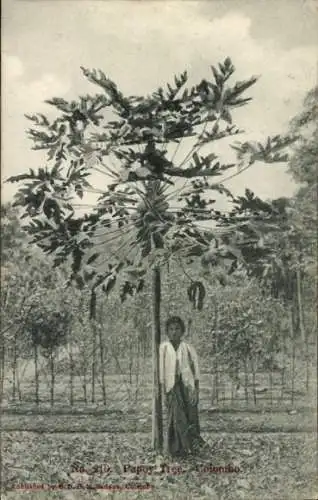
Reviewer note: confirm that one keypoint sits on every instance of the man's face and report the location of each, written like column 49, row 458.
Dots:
column 174, row 332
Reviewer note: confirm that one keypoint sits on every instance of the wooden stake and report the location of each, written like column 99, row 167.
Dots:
column 157, row 425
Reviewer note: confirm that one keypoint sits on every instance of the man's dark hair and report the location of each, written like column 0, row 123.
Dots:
column 175, row 320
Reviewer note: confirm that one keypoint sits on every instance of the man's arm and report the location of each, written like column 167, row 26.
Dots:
column 161, row 368
column 196, row 374
column 195, row 362
column 197, row 391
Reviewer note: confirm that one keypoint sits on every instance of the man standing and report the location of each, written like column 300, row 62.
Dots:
column 179, row 380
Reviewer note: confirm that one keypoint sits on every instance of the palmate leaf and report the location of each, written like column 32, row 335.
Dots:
column 60, row 104
column 217, row 134
column 130, row 110
column 179, row 82
column 232, row 95
column 39, row 119
column 243, row 235
column 23, row 177
column 271, row 152
column 115, row 97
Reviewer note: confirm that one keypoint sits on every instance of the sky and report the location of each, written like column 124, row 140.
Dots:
column 141, row 45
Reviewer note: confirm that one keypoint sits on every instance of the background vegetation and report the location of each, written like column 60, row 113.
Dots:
column 256, row 339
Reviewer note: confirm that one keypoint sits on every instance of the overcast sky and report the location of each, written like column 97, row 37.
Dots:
column 141, row 45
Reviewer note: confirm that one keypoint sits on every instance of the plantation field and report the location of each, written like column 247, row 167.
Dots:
column 272, row 442
column 129, row 389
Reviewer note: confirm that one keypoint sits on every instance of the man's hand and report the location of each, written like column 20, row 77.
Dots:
column 164, row 395
column 195, row 394
column 194, row 397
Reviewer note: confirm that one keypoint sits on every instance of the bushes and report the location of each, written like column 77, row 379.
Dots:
column 239, row 331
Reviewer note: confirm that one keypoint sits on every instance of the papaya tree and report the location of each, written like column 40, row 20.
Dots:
column 145, row 170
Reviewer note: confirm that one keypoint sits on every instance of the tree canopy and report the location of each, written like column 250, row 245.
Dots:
column 149, row 206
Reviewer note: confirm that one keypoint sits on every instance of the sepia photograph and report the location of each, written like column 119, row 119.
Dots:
column 159, row 206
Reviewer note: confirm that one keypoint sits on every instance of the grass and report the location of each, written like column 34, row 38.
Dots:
column 273, row 443
column 105, row 420
column 272, row 466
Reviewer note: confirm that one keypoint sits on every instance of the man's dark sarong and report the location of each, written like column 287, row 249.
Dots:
column 183, row 436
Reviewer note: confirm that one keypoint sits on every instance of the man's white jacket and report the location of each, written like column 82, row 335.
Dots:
column 183, row 361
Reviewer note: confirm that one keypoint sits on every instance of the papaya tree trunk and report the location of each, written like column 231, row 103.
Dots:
column 36, row 372
column 52, row 372
column 18, row 383
column 102, row 363
column 14, row 365
column 157, row 427
column 137, row 371
column 300, row 308
column 253, row 379
column 271, row 384
column 246, row 380
column 85, row 385
column 2, row 365
column 93, row 365
column 293, row 339
column 71, row 372
column 283, row 372
column 131, row 361
column 215, row 376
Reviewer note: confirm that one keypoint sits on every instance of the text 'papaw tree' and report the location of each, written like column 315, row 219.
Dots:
column 149, row 207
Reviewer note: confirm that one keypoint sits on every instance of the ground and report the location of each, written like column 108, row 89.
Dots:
column 273, row 465
column 270, row 445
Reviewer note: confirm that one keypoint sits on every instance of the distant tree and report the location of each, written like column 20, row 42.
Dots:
column 291, row 263
column 47, row 328
column 12, row 236
column 34, row 308
column 303, row 166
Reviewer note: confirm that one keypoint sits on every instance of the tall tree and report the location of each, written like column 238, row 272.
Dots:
column 303, row 165
column 291, row 264
column 150, row 205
